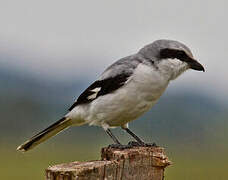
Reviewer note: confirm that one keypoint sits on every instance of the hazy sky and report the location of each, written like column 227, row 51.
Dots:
column 72, row 38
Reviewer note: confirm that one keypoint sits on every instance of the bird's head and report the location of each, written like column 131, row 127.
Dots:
column 170, row 57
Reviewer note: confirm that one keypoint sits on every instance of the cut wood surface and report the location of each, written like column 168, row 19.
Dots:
column 137, row 163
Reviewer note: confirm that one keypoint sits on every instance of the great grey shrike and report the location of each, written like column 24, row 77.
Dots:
column 125, row 90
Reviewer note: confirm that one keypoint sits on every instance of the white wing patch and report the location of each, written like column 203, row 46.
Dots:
column 93, row 96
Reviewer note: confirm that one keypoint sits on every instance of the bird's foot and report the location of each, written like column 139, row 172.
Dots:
column 119, row 146
column 151, row 145
column 138, row 144
column 132, row 144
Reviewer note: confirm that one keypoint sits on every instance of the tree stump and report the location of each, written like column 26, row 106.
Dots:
column 137, row 163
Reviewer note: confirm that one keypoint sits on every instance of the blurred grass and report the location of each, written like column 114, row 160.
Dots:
column 198, row 166
column 188, row 163
column 194, row 157
column 31, row 165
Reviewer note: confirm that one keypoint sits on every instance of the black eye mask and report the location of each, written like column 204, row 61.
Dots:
column 174, row 53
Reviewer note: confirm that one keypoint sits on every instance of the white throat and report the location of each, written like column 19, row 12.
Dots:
column 172, row 68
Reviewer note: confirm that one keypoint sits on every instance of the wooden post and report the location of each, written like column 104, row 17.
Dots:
column 137, row 163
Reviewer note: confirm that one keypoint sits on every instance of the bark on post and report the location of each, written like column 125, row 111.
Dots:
column 138, row 163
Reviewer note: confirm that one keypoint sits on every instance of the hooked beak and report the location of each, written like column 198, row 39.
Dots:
column 196, row 65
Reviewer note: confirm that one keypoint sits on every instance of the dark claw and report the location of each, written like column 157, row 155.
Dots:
column 150, row 145
column 134, row 144
column 119, row 146
column 131, row 144
column 137, row 144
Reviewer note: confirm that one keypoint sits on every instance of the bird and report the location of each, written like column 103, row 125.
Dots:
column 124, row 91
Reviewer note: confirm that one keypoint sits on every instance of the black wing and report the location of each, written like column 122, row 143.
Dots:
column 100, row 88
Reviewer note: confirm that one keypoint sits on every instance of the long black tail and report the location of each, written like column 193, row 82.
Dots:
column 45, row 134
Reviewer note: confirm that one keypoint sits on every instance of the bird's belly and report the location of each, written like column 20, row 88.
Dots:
column 129, row 113
column 118, row 111
column 125, row 104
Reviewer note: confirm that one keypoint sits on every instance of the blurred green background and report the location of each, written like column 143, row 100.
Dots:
column 50, row 51
column 191, row 127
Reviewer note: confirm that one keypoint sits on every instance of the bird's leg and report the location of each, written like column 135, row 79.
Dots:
column 117, row 144
column 139, row 141
column 116, row 141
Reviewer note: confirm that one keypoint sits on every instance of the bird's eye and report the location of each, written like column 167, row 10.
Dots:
column 181, row 54
column 166, row 53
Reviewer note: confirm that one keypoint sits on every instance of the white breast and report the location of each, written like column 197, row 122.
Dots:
column 148, row 82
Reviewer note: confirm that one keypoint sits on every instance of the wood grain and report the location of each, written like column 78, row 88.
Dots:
column 138, row 163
